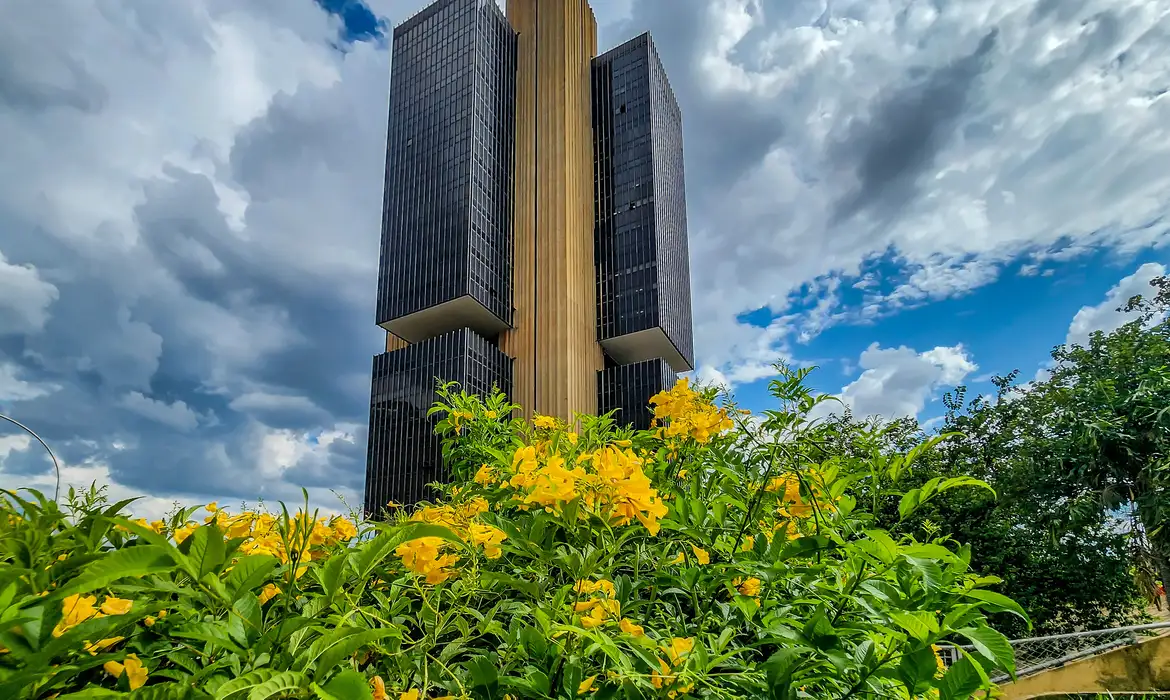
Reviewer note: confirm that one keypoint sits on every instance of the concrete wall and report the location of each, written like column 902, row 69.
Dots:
column 1137, row 668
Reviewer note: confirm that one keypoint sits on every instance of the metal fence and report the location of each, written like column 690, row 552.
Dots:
column 1036, row 654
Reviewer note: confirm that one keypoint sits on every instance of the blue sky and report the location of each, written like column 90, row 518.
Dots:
column 911, row 195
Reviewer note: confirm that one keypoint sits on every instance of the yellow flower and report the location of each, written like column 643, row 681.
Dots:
column 940, row 665
column 269, row 592
column 631, row 628
column 749, row 587
column 701, row 555
column 587, row 587
column 544, row 422
column 116, row 606
column 679, row 648
column 485, row 476
column 149, row 620
column 211, row 507
column 343, row 529
column 75, row 609
column 572, row 437
column 680, row 558
column 682, row 473
column 586, row 685
column 488, row 537
column 134, row 669
column 749, row 543
column 489, row 414
column 595, row 618
column 102, row 645
column 378, row 689
column 422, row 556
column 409, row 695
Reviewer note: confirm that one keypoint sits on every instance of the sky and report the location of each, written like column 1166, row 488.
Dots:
column 908, row 194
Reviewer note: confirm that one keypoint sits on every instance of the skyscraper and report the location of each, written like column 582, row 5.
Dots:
column 534, row 226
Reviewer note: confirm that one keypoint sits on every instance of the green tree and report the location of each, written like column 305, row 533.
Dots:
column 1109, row 416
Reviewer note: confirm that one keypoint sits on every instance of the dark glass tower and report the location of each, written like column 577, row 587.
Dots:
column 445, row 273
column 447, row 211
column 403, row 454
column 643, row 271
column 530, row 186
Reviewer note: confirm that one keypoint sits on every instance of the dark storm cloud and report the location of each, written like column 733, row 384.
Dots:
column 20, row 89
column 724, row 134
column 900, row 141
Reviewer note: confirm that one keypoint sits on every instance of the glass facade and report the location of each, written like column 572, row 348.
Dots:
column 643, row 269
column 446, row 271
column 446, row 255
column 404, row 453
column 628, row 388
column 447, row 208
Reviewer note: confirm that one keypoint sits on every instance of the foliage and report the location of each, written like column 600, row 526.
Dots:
column 716, row 555
column 1072, row 457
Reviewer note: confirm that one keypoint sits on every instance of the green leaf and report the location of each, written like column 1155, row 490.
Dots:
column 249, row 573
column 122, row 563
column 998, row 602
column 207, row 550
column 278, row 685
column 930, row 551
column 330, row 574
column 887, row 549
column 246, row 619
column 483, row 671
column 993, row 645
column 244, row 682
column 919, row 623
column 92, row 694
column 348, row 646
column 805, row 547
column 960, row 682
column 917, row 670
column 211, row 632
column 347, row 685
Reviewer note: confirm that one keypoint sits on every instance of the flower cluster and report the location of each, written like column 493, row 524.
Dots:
column 683, row 412
column 610, row 482
column 306, row 539
column 132, row 666
column 667, row 675
column 429, row 556
column 600, row 606
column 76, row 609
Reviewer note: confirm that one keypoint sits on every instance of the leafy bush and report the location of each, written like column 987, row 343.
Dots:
column 709, row 557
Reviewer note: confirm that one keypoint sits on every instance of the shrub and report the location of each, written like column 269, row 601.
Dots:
column 708, row 557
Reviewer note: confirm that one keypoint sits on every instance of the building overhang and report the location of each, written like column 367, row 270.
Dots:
column 462, row 312
column 645, row 345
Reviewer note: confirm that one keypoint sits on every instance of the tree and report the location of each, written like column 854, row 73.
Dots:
column 1069, row 573
column 1110, row 416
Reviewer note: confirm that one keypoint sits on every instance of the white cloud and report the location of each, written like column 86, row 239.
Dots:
column 1105, row 316
column 13, row 388
column 1042, row 142
column 24, row 298
column 177, row 414
column 898, row 382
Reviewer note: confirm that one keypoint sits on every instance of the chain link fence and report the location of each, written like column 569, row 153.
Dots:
column 1036, row 654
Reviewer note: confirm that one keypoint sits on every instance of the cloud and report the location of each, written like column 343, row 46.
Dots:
column 950, row 140
column 897, row 382
column 190, row 199
column 177, row 415
column 189, row 211
column 1105, row 316
column 24, row 298
column 13, row 388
